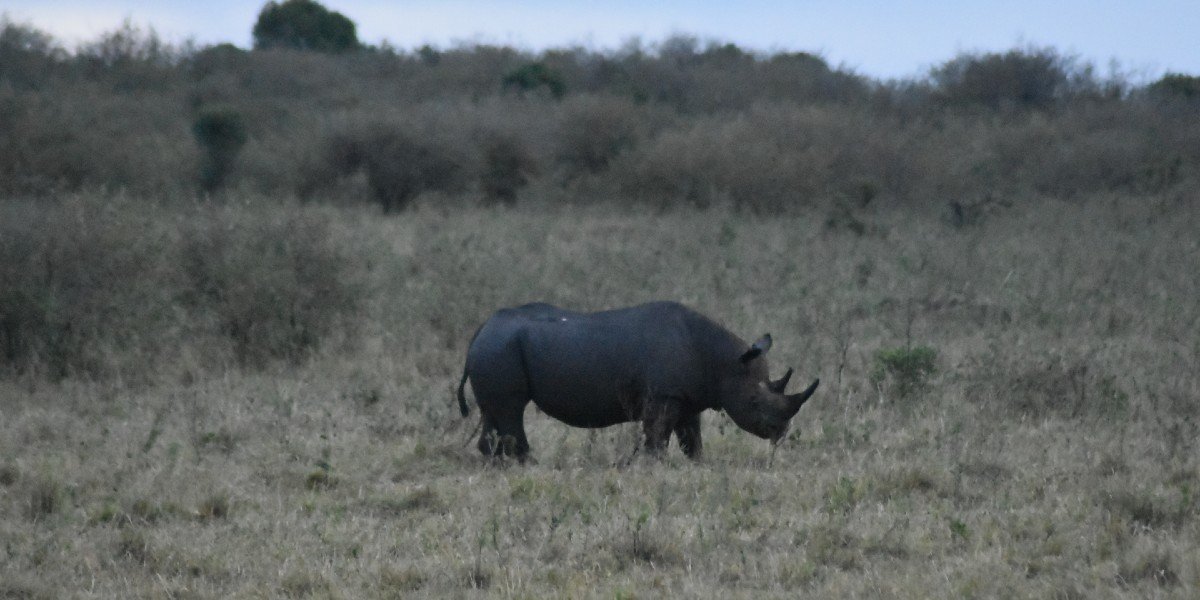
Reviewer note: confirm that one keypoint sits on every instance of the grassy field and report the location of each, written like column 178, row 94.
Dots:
column 1051, row 452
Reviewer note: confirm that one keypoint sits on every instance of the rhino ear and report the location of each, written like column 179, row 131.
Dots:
column 761, row 345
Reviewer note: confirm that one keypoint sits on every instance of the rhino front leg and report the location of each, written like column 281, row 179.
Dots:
column 687, row 431
column 658, row 420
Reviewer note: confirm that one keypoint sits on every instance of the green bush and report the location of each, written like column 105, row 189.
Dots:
column 304, row 25
column 905, row 369
column 221, row 134
column 534, row 76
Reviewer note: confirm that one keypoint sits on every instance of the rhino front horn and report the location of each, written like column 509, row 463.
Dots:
column 780, row 384
column 795, row 401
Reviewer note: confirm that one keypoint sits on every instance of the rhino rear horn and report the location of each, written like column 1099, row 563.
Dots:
column 761, row 345
column 795, row 401
column 780, row 384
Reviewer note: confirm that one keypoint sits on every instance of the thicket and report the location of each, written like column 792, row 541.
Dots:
column 98, row 287
column 680, row 122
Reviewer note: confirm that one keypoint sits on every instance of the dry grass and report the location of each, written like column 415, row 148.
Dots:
column 1052, row 453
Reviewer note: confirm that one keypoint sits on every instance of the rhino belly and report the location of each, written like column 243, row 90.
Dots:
column 582, row 401
column 582, row 374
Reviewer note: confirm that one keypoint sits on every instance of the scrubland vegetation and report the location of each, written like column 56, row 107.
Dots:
column 236, row 289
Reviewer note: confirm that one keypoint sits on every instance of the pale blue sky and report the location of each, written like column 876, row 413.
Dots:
column 881, row 39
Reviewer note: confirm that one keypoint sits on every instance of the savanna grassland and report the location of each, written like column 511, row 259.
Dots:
column 237, row 288
column 1051, row 453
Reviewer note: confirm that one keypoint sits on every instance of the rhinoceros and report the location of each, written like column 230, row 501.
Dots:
column 660, row 363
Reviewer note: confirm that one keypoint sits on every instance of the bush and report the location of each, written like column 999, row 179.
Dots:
column 221, row 134
column 594, row 130
column 1176, row 85
column 97, row 289
column 905, row 369
column 271, row 284
column 536, row 75
column 507, row 166
column 1031, row 78
column 84, row 291
column 304, row 25
column 398, row 165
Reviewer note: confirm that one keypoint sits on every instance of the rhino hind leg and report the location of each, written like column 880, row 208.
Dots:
column 504, row 435
column 687, row 431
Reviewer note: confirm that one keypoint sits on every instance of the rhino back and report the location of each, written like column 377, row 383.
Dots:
column 594, row 370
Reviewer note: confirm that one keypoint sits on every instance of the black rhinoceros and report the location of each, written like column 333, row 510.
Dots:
column 660, row 363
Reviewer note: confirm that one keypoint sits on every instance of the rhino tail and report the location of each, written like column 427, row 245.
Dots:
column 462, row 397
column 462, row 383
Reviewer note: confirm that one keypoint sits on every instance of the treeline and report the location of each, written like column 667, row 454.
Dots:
column 679, row 122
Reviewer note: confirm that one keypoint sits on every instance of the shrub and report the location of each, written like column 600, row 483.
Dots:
column 271, row 284
column 1176, row 85
column 221, row 134
column 216, row 59
column 772, row 159
column 905, row 369
column 1030, row 78
column 82, row 288
column 536, row 75
column 397, row 164
column 304, row 25
column 594, row 130
column 507, row 166
column 97, row 290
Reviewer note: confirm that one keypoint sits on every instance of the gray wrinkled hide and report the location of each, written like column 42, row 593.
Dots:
column 660, row 363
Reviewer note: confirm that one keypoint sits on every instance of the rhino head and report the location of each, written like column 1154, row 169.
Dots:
column 753, row 401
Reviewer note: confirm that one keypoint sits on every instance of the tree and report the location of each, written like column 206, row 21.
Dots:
column 1019, row 78
column 1176, row 85
column 304, row 25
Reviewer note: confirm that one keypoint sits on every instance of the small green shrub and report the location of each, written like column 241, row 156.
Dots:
column 905, row 369
column 221, row 135
column 959, row 529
